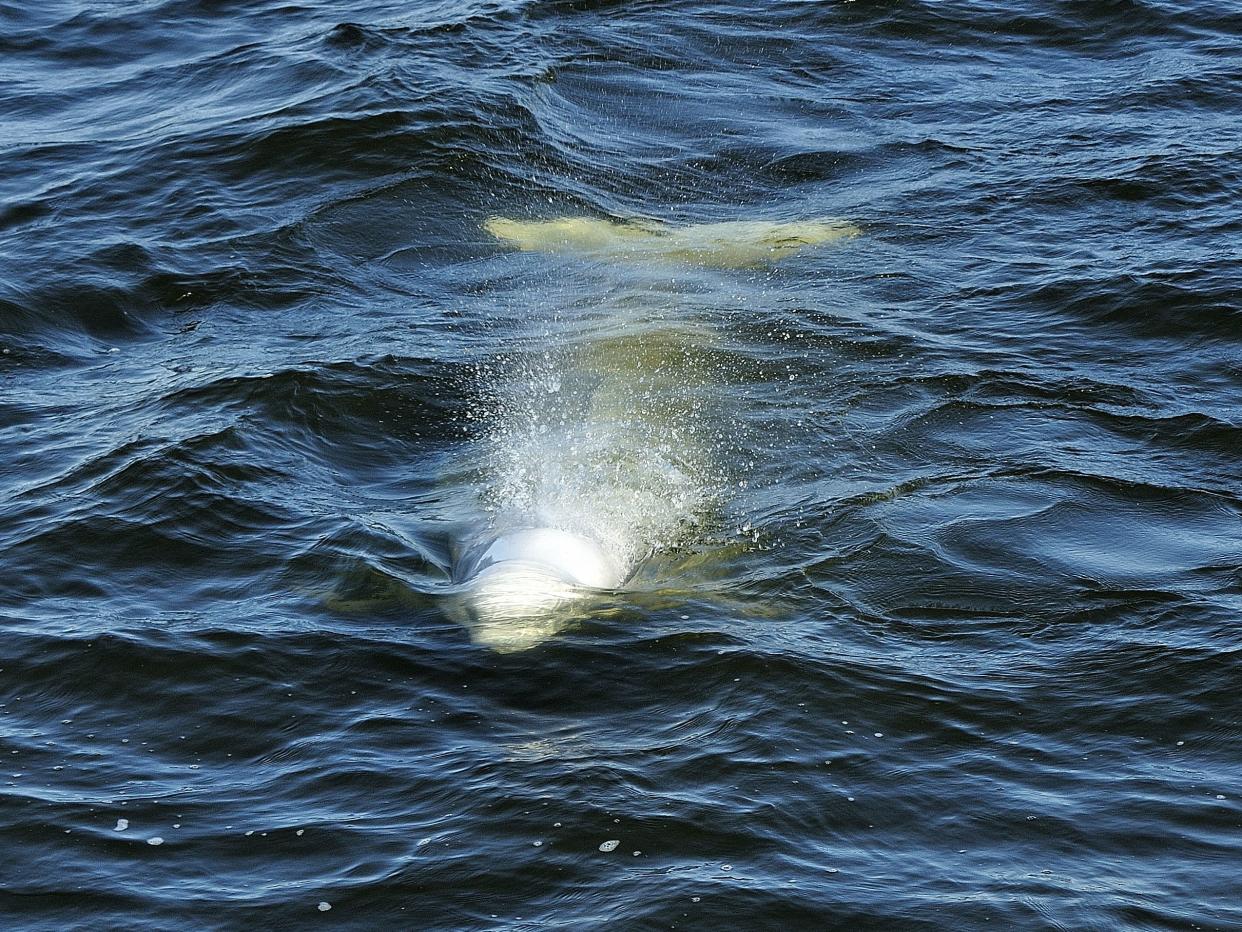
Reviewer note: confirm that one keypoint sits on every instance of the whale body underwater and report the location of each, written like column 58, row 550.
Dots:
column 515, row 587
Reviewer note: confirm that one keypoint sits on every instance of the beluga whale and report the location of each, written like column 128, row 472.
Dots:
column 600, row 453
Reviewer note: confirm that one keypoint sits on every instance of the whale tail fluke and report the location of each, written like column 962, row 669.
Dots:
column 730, row 244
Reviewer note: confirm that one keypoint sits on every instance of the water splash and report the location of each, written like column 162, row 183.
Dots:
column 600, row 430
column 606, row 440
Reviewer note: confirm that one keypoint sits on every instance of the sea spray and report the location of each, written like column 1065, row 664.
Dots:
column 601, row 426
column 607, row 439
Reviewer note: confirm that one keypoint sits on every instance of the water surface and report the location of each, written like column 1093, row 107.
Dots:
column 937, row 530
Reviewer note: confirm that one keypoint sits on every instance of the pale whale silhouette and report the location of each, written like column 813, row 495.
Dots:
column 518, row 585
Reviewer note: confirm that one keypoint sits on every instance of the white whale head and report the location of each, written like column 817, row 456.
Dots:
column 516, row 588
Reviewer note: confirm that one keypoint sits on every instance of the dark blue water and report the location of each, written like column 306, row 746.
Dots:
column 936, row 531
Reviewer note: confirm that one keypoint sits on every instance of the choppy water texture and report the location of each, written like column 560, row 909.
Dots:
column 937, row 530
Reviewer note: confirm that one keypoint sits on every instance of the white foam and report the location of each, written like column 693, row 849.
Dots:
column 595, row 457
